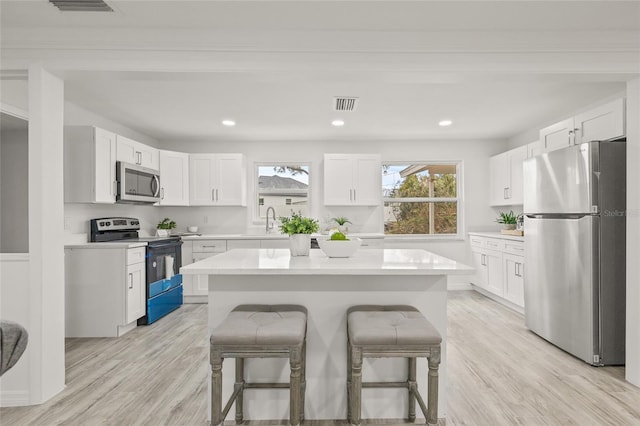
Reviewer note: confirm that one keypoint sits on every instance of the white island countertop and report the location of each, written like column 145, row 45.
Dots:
column 363, row 262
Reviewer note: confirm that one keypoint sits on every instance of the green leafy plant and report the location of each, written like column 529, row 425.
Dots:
column 340, row 220
column 507, row 218
column 166, row 224
column 298, row 224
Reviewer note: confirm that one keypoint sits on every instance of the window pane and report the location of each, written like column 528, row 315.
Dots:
column 283, row 187
column 420, row 218
column 419, row 180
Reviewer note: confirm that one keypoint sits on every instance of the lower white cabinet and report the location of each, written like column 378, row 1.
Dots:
column 499, row 264
column 105, row 290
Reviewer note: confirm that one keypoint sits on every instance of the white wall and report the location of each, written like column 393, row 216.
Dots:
column 46, row 249
column 633, row 231
column 14, row 191
column 473, row 153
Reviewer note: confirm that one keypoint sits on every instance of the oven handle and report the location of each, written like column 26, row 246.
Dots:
column 170, row 244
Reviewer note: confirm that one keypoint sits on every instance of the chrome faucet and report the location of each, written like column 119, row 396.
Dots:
column 269, row 226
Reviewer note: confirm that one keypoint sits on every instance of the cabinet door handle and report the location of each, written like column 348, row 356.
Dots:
column 213, row 194
column 162, row 193
column 138, row 157
column 482, row 260
column 209, row 246
column 130, row 280
column 115, row 187
column 217, row 195
column 354, row 195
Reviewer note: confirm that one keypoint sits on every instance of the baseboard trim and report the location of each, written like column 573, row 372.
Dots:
column 505, row 302
column 14, row 398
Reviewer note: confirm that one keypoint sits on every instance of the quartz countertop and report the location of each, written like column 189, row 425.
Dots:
column 273, row 236
column 363, row 262
column 498, row 235
column 108, row 245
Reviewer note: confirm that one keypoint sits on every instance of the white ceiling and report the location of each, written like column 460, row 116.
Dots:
column 175, row 69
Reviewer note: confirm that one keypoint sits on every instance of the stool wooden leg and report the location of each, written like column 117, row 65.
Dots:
column 432, row 393
column 216, row 389
column 303, row 374
column 239, row 384
column 348, row 380
column 411, row 382
column 356, row 386
column 295, row 389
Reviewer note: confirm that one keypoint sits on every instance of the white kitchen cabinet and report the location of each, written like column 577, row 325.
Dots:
column 174, row 178
column 135, row 152
column 513, row 278
column 505, row 177
column 196, row 287
column 90, row 165
column 604, row 122
column 499, row 264
column 217, row 180
column 135, row 292
column 352, row 180
column 105, row 290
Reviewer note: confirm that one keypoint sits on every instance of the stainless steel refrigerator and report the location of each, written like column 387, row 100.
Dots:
column 575, row 233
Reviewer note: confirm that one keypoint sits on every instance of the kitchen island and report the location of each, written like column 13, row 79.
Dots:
column 328, row 287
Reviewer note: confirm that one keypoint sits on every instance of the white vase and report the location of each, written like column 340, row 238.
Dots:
column 162, row 232
column 300, row 244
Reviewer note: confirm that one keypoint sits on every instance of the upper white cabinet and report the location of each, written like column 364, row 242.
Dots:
column 505, row 177
column 90, row 165
column 134, row 152
column 217, row 180
column 602, row 123
column 174, row 178
column 352, row 179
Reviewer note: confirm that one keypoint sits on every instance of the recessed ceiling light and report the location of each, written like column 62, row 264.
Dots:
column 445, row 123
column 337, row 123
column 229, row 123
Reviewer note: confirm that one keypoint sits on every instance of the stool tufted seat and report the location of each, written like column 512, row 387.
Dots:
column 259, row 331
column 390, row 325
column 262, row 325
column 383, row 331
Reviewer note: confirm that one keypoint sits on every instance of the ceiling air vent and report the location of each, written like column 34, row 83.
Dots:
column 81, row 5
column 344, row 103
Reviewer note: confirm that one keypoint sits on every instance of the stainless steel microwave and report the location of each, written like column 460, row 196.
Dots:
column 137, row 184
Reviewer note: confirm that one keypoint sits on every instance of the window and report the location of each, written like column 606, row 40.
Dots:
column 285, row 187
column 421, row 198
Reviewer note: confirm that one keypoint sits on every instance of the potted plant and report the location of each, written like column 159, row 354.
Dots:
column 299, row 229
column 164, row 228
column 341, row 221
column 508, row 220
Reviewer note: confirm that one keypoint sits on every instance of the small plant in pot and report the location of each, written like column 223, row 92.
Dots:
column 508, row 220
column 163, row 229
column 299, row 229
column 341, row 221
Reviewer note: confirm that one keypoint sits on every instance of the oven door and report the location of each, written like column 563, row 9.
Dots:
column 137, row 184
column 164, row 259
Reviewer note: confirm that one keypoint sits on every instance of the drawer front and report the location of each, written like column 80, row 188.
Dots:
column 494, row 244
column 372, row 243
column 136, row 255
column 210, row 246
column 242, row 244
column 476, row 241
column 515, row 247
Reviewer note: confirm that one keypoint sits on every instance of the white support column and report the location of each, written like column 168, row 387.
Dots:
column 46, row 234
column 633, row 231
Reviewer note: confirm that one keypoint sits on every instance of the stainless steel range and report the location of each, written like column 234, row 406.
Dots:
column 163, row 261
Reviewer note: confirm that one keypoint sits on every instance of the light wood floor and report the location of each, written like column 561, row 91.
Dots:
column 499, row 374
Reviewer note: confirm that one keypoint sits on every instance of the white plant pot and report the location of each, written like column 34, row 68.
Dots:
column 300, row 244
column 163, row 232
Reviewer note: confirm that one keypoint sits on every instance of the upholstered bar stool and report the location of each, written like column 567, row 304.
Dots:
column 384, row 331
column 259, row 331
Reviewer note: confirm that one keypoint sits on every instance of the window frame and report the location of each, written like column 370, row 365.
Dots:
column 256, row 219
column 459, row 200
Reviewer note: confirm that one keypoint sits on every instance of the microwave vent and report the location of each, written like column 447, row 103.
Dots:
column 345, row 103
column 81, row 5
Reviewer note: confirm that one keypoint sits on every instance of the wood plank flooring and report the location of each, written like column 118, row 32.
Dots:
column 499, row 374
